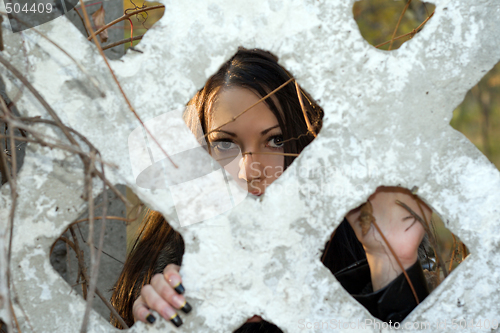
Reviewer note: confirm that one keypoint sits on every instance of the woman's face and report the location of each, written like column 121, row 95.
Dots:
column 249, row 148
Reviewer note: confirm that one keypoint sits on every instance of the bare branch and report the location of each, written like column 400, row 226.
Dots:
column 428, row 231
column 99, row 48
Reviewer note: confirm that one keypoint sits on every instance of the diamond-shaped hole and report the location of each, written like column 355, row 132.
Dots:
column 143, row 21
column 478, row 116
column 118, row 41
column 138, row 243
column 254, row 119
column 256, row 324
column 239, row 119
column 378, row 21
column 364, row 264
column 64, row 257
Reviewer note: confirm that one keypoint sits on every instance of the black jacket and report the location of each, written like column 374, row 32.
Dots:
column 391, row 303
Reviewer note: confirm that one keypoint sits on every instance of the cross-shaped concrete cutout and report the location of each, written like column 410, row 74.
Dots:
column 346, row 250
column 400, row 236
column 387, row 24
column 385, row 112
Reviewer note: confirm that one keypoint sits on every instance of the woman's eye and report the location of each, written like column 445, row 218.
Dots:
column 222, row 146
column 276, row 141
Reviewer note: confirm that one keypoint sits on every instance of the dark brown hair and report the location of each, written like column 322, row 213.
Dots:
column 259, row 71
column 158, row 244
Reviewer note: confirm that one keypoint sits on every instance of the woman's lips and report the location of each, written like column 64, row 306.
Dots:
column 257, row 193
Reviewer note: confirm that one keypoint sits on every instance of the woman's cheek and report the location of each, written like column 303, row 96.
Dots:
column 353, row 215
column 273, row 171
column 233, row 167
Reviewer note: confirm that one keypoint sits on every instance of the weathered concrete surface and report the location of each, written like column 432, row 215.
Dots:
column 387, row 122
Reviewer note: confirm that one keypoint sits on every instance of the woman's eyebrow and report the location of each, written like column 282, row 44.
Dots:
column 264, row 132
column 228, row 133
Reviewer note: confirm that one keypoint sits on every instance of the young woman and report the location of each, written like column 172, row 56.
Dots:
column 269, row 136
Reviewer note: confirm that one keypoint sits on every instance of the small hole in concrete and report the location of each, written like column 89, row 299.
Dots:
column 257, row 324
column 118, row 35
column 64, row 257
column 252, row 120
column 3, row 327
column 378, row 19
column 392, row 223
column 478, row 116
column 143, row 21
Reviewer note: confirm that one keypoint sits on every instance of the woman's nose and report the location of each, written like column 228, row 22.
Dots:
column 250, row 169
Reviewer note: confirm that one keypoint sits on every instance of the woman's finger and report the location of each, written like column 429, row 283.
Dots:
column 165, row 290
column 141, row 312
column 171, row 274
column 155, row 302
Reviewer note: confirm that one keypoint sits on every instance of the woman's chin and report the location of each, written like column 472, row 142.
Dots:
column 254, row 319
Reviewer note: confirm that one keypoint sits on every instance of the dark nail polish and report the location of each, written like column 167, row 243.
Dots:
column 186, row 308
column 176, row 320
column 179, row 288
column 150, row 318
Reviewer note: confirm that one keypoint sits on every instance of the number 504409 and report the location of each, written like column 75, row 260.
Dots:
column 34, row 8
column 485, row 323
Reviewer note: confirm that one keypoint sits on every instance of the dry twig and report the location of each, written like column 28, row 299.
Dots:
column 125, row 17
column 306, row 118
column 411, row 34
column 84, row 71
column 83, row 271
column 251, row 106
column 399, row 22
column 427, row 229
column 123, row 41
column 99, row 48
column 453, row 252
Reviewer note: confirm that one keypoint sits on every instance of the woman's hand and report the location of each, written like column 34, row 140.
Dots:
column 401, row 230
column 163, row 295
